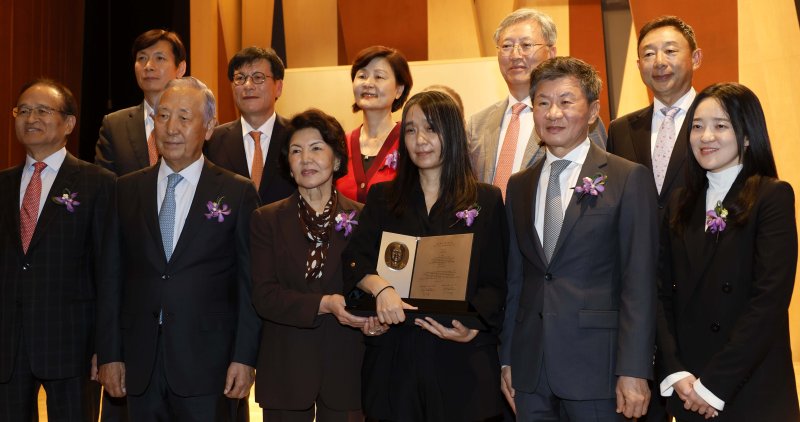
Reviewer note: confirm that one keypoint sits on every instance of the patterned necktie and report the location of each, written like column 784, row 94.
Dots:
column 553, row 213
column 152, row 151
column 29, row 213
column 505, row 162
column 257, row 168
column 665, row 142
column 166, row 216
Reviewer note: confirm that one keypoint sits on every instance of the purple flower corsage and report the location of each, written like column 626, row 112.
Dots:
column 468, row 215
column 391, row 160
column 217, row 210
column 591, row 186
column 716, row 219
column 67, row 199
column 345, row 221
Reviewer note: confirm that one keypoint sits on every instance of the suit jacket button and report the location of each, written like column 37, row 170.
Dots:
column 548, row 276
column 661, row 207
column 26, row 266
column 726, row 288
column 715, row 327
column 164, row 277
column 352, row 264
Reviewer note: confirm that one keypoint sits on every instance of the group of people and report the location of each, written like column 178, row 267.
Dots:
column 636, row 274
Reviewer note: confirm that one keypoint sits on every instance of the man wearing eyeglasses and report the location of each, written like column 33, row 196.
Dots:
column 126, row 141
column 502, row 136
column 53, row 212
column 251, row 145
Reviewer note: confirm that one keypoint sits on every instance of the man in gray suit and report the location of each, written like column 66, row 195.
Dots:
column 125, row 144
column 502, row 136
column 580, row 311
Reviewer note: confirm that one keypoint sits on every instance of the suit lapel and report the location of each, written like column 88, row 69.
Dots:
column 65, row 179
column 595, row 161
column 272, row 161
column 492, row 139
column 534, row 151
column 148, row 197
column 12, row 205
column 290, row 229
column 676, row 160
column 526, row 209
column 137, row 136
column 233, row 146
column 641, row 126
column 209, row 188
column 701, row 246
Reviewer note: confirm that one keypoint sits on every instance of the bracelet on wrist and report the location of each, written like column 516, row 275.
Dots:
column 381, row 290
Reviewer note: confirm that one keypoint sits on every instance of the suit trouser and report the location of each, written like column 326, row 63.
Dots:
column 543, row 405
column 160, row 403
column 68, row 399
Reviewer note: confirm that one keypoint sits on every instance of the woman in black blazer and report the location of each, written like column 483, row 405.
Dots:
column 728, row 267
column 308, row 360
column 432, row 371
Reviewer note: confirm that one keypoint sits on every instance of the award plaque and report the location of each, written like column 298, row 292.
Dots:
column 428, row 272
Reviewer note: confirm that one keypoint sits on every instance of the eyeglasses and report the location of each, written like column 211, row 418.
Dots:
column 525, row 48
column 258, row 78
column 40, row 111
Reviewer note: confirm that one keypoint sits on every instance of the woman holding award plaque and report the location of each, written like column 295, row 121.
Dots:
column 311, row 348
column 431, row 370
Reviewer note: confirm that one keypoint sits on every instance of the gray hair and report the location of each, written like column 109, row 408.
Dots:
column 210, row 106
column 545, row 22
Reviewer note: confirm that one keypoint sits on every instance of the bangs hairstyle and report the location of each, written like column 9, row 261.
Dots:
column 747, row 120
column 457, row 186
column 330, row 130
column 559, row 67
column 398, row 63
column 149, row 38
column 673, row 21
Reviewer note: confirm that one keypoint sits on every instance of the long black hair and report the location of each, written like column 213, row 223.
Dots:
column 755, row 153
column 458, row 187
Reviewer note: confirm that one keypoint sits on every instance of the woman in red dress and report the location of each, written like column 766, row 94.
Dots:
column 381, row 83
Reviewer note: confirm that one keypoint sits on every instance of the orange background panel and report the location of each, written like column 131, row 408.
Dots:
column 403, row 26
column 587, row 43
column 715, row 26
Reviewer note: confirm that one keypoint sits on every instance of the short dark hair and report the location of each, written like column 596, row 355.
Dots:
column 330, row 130
column 672, row 21
column 68, row 104
column 449, row 91
column 559, row 67
column 149, row 38
column 747, row 120
column 249, row 55
column 398, row 63
column 458, row 186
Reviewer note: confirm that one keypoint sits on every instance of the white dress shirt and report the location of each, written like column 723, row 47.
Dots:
column 683, row 104
column 184, row 192
column 568, row 179
column 48, row 176
column 525, row 130
column 718, row 186
column 250, row 143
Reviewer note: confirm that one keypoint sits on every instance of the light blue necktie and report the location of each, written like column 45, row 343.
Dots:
column 553, row 212
column 166, row 217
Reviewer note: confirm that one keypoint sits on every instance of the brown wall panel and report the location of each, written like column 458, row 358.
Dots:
column 586, row 42
column 40, row 38
column 401, row 24
column 715, row 25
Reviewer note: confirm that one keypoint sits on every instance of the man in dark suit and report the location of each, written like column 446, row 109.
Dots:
column 251, row 145
column 177, row 331
column 656, row 136
column 668, row 57
column 125, row 144
column 580, row 314
column 54, row 207
column 502, row 137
